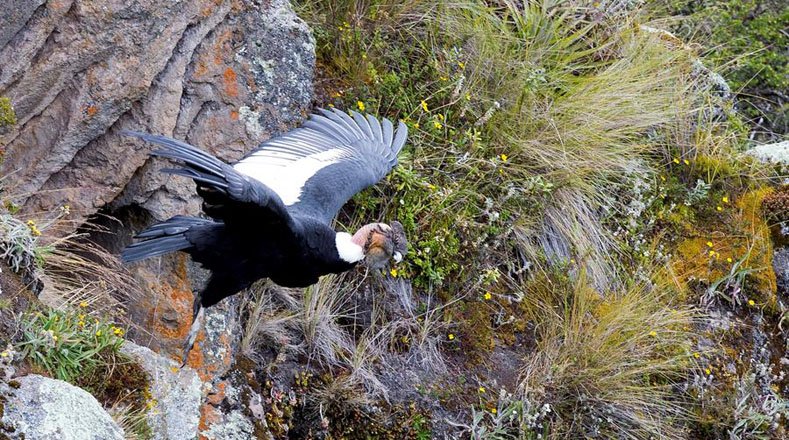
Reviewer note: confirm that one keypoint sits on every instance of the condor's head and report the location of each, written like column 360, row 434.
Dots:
column 375, row 243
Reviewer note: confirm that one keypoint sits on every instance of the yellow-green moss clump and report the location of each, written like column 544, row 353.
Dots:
column 7, row 114
column 736, row 247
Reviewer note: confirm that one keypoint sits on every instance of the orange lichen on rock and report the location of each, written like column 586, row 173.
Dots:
column 229, row 79
column 222, row 47
column 208, row 416
column 234, row 115
column 168, row 317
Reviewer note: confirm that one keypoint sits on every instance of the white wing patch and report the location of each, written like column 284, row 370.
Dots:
column 286, row 173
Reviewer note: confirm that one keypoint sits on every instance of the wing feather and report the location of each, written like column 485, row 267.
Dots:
column 316, row 168
column 229, row 195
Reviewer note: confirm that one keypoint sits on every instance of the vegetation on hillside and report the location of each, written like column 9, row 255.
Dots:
column 590, row 253
column 747, row 41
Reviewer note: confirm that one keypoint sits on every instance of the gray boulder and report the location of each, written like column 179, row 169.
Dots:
column 177, row 392
column 777, row 153
column 50, row 409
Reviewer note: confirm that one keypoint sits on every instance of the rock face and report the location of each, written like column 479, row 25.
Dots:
column 773, row 153
column 50, row 409
column 221, row 74
column 177, row 393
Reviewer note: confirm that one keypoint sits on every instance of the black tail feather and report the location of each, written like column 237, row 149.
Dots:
column 162, row 238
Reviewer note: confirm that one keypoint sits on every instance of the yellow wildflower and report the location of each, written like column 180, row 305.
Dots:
column 687, row 162
column 709, row 244
column 424, row 106
column 493, row 410
column 653, row 333
column 360, row 104
column 662, row 178
column 725, row 199
column 437, row 124
column 719, row 208
column 712, row 253
column 81, row 323
column 751, row 302
column 55, row 338
column 451, row 336
column 676, row 160
column 393, row 272
column 729, row 260
column 481, row 389
column 33, row 228
column 4, row 354
column 503, row 157
column 468, row 96
column 83, row 304
column 416, row 125
column 696, row 355
column 174, row 369
column 118, row 331
column 461, row 64
column 98, row 333
column 487, row 295
column 444, row 78
column 708, row 371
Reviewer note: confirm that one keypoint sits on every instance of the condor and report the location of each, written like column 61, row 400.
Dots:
column 271, row 212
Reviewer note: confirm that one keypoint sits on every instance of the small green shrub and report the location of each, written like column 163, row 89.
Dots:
column 7, row 114
column 68, row 344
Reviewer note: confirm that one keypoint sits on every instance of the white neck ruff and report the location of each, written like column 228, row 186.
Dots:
column 349, row 251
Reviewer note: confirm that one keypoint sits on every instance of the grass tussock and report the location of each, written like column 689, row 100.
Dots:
column 607, row 365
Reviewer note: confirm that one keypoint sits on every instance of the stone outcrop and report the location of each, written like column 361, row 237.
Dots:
column 777, row 153
column 176, row 393
column 49, row 409
column 221, row 74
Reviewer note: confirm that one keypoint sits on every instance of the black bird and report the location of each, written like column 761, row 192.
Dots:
column 271, row 212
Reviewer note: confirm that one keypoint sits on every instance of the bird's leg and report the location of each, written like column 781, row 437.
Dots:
column 198, row 313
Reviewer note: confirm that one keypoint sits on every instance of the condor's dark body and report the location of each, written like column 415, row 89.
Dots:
column 290, row 258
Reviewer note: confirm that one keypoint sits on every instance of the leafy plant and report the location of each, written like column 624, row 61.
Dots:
column 69, row 344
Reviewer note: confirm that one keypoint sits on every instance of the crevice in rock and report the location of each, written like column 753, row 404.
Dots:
column 113, row 229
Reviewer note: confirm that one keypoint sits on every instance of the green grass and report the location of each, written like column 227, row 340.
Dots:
column 523, row 121
column 570, row 138
column 746, row 39
column 68, row 345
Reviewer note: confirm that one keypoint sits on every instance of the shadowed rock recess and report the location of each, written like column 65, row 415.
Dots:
column 223, row 75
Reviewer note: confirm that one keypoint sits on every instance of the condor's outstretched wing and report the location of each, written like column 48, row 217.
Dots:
column 316, row 168
column 228, row 195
